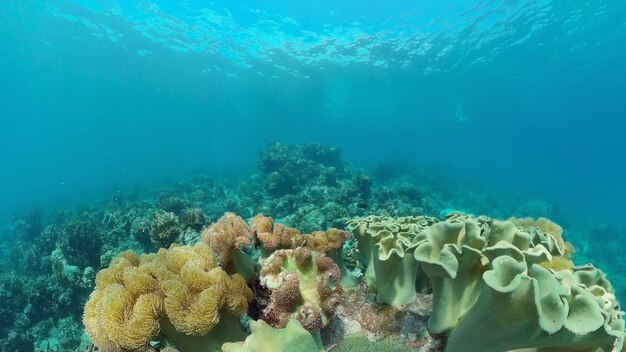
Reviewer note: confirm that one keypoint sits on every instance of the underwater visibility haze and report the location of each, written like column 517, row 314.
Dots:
column 413, row 141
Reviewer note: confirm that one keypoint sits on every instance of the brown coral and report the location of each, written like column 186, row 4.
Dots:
column 304, row 286
column 310, row 317
column 179, row 293
column 193, row 218
column 302, row 256
column 261, row 224
column 326, row 241
column 331, row 242
column 327, row 266
column 288, row 296
column 273, row 236
column 165, row 228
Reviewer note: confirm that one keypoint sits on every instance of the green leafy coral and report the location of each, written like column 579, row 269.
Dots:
column 523, row 306
column 386, row 246
column 291, row 338
column 496, row 285
column 450, row 255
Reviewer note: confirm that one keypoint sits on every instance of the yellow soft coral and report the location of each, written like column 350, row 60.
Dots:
column 117, row 316
column 274, row 236
column 228, row 237
column 179, row 294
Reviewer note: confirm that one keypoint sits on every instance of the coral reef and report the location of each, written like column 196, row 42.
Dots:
column 193, row 218
column 497, row 285
column 331, row 242
column 527, row 306
column 274, row 236
column 492, row 280
column 404, row 281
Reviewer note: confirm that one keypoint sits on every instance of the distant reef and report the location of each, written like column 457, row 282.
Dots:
column 307, row 254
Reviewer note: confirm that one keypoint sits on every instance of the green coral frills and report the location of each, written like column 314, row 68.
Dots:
column 451, row 256
column 367, row 231
column 497, row 285
column 395, row 270
column 292, row 338
column 386, row 247
column 523, row 306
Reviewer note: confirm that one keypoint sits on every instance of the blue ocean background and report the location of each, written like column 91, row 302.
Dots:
column 519, row 96
column 518, row 103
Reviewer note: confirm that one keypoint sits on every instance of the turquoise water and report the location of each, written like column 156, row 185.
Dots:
column 499, row 105
column 522, row 95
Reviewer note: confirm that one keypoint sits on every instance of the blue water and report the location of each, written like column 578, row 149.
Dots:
column 519, row 96
column 503, row 107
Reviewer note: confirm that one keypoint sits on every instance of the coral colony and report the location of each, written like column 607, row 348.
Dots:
column 306, row 255
column 496, row 286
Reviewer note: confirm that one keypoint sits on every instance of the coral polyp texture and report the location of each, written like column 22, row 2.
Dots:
column 178, row 294
column 305, row 286
column 274, row 236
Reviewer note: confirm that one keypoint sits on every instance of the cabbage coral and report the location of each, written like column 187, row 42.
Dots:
column 386, row 247
column 545, row 232
column 456, row 253
column 450, row 255
column 304, row 287
column 177, row 294
column 523, row 306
